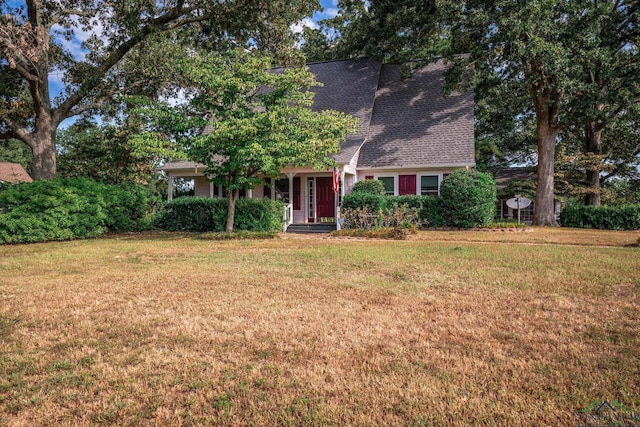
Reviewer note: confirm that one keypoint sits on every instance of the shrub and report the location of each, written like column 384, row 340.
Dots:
column 623, row 217
column 64, row 209
column 127, row 206
column 428, row 208
column 431, row 212
column 468, row 198
column 200, row 214
column 369, row 186
column 360, row 218
column 375, row 203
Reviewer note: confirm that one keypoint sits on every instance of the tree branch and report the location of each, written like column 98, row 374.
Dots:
column 166, row 22
column 16, row 131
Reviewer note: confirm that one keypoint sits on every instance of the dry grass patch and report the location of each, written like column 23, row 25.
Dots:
column 175, row 330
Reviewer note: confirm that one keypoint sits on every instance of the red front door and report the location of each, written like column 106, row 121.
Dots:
column 325, row 198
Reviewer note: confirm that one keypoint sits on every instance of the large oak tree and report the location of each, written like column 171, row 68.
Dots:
column 32, row 50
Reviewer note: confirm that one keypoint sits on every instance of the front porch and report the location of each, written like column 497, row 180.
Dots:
column 308, row 193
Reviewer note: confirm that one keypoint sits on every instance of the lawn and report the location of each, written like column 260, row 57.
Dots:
column 447, row 328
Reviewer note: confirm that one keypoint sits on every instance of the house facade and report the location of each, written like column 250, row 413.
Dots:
column 518, row 181
column 410, row 137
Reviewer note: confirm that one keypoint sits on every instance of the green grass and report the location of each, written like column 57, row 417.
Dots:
column 446, row 328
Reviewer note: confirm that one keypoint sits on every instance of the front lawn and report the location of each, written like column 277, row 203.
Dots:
column 448, row 328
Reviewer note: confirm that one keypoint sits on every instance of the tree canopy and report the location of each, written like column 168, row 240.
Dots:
column 119, row 48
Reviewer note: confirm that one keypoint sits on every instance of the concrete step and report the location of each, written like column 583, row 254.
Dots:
column 311, row 228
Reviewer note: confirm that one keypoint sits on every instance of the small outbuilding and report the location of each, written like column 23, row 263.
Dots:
column 13, row 173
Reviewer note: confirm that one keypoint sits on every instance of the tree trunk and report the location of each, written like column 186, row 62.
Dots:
column 232, row 196
column 544, row 209
column 43, row 147
column 593, row 146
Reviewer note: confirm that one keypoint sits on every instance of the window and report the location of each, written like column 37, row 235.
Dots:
column 429, row 185
column 389, row 185
column 282, row 190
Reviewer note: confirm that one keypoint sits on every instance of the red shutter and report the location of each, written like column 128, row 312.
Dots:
column 406, row 184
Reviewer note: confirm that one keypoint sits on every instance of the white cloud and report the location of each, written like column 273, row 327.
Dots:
column 331, row 12
column 80, row 35
column 307, row 22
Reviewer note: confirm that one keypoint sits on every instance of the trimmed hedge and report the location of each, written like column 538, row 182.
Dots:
column 70, row 208
column 623, row 217
column 374, row 203
column 468, row 198
column 369, row 186
column 202, row 214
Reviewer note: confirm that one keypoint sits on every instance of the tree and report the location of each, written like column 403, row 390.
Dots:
column 14, row 151
column 606, row 39
column 245, row 121
column 104, row 154
column 33, row 34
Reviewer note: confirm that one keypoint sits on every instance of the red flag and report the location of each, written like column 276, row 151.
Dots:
column 336, row 180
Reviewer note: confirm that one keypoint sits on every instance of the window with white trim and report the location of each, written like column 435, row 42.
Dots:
column 389, row 183
column 429, row 185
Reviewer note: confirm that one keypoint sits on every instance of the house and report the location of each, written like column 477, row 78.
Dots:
column 410, row 137
column 13, row 173
column 518, row 181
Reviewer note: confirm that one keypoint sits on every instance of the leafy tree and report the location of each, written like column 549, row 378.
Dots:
column 104, row 154
column 14, row 151
column 255, row 121
column 32, row 50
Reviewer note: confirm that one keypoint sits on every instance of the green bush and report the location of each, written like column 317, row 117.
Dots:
column 127, row 206
column 201, row 214
column 468, row 198
column 373, row 202
column 431, row 212
column 369, row 186
column 623, row 217
column 64, row 209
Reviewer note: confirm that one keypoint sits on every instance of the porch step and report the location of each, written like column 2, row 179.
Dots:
column 311, row 228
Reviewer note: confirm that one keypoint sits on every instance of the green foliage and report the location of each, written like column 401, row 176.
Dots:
column 203, row 214
column 431, row 212
column 622, row 217
column 47, row 210
column 64, row 209
column 129, row 49
column 373, row 202
column 104, row 154
column 14, row 151
column 363, row 210
column 468, row 198
column 369, row 186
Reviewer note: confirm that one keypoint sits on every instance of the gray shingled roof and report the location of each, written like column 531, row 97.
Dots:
column 350, row 87
column 507, row 175
column 414, row 125
column 403, row 123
